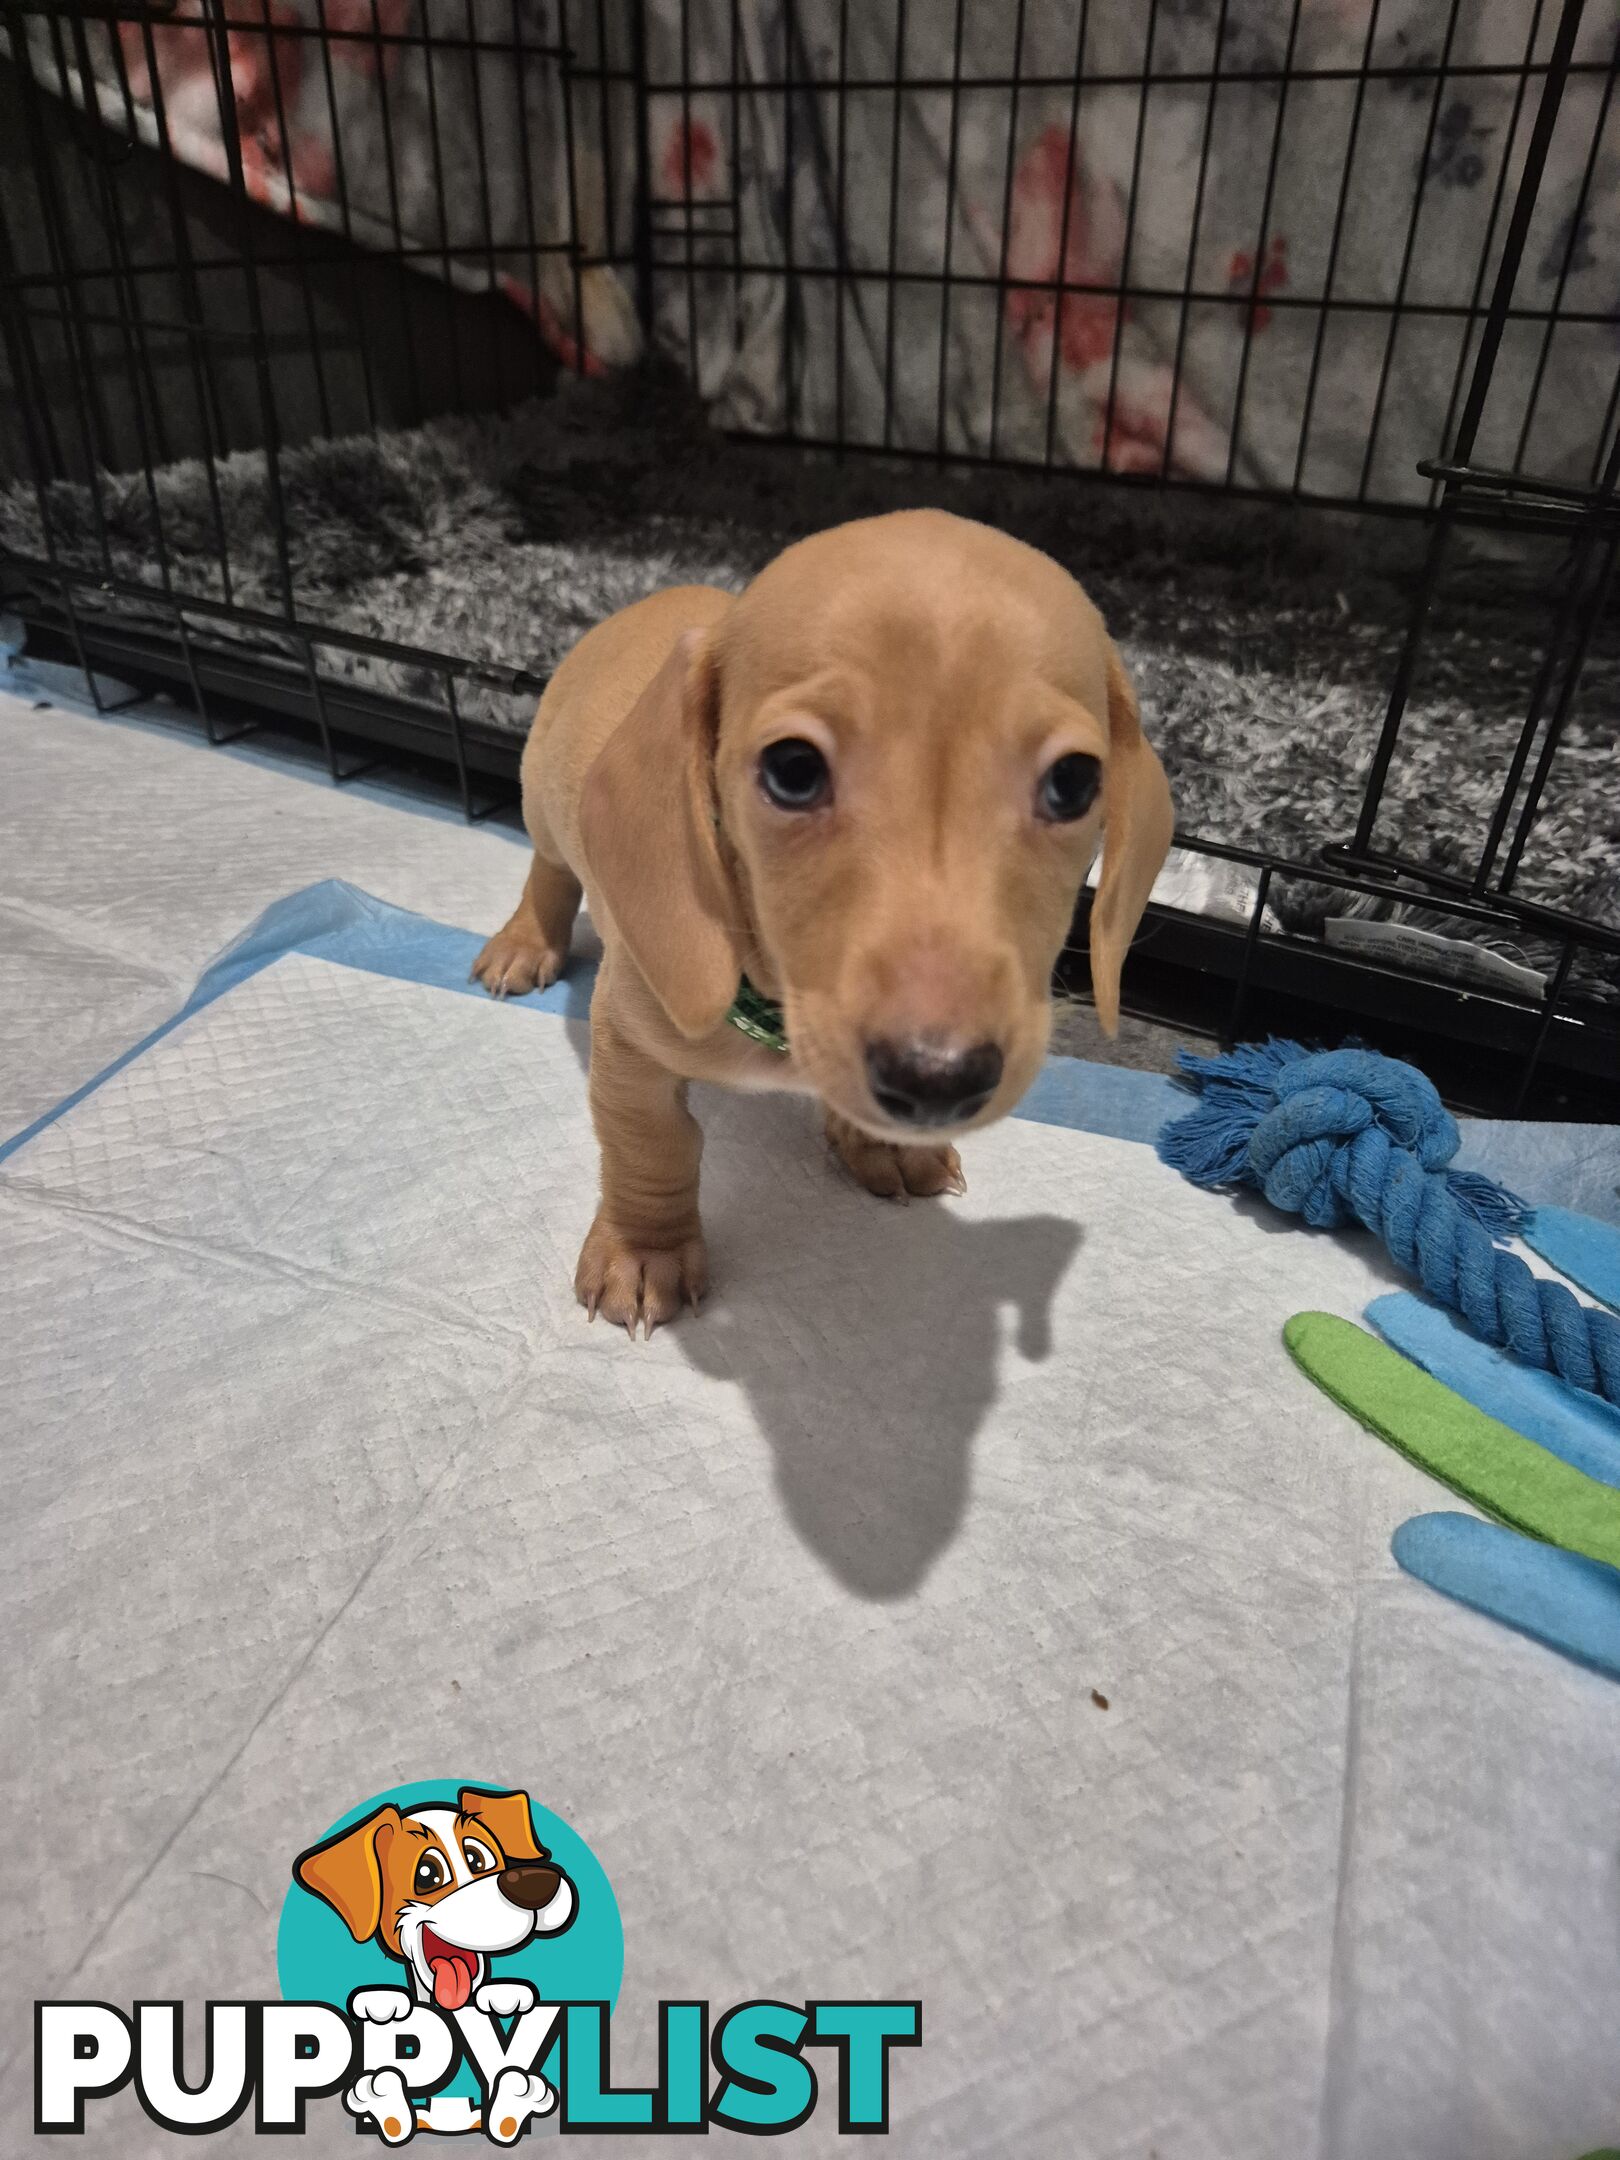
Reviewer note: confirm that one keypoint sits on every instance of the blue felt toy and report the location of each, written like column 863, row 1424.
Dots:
column 1587, row 1252
column 1566, row 1421
column 1349, row 1136
column 1563, row 1599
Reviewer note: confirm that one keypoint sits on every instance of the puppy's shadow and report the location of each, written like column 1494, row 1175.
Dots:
column 870, row 1342
column 868, row 1337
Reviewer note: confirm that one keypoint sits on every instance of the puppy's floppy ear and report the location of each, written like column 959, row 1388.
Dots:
column 506, row 1816
column 1138, row 822
column 648, row 820
column 347, row 1871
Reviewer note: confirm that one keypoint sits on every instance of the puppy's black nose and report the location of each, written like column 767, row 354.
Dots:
column 931, row 1083
column 529, row 1884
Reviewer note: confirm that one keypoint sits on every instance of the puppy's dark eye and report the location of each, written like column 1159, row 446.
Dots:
column 793, row 774
column 431, row 1874
column 479, row 1859
column 1068, row 788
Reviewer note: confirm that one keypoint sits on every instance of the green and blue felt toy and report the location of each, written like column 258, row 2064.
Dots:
column 1347, row 1136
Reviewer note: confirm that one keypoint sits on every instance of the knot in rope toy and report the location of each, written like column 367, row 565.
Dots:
column 1341, row 1136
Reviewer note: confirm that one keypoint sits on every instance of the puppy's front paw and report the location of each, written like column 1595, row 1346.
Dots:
column 506, row 1998
column 380, row 2005
column 891, row 1171
column 635, row 1284
column 517, row 960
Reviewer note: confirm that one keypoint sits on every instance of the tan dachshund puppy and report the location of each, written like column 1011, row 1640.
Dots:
column 872, row 785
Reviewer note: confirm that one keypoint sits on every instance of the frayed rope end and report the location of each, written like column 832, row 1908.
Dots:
column 1491, row 1205
column 1210, row 1145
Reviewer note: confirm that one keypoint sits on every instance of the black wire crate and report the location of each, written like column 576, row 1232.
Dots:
column 356, row 354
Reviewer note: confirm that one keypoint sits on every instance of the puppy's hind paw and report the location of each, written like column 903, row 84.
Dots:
column 518, row 2097
column 384, row 2099
column 638, row 1285
column 891, row 1171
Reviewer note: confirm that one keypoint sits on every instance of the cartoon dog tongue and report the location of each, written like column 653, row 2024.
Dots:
column 453, row 1974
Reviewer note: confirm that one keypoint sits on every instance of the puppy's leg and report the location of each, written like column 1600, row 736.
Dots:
column 644, row 1257
column 532, row 950
column 891, row 1171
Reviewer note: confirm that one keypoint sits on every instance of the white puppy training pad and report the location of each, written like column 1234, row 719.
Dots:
column 129, row 851
column 322, row 1483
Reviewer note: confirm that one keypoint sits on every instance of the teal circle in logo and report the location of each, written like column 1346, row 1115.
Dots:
column 318, row 1960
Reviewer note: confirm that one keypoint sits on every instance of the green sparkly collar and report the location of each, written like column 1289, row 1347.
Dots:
column 758, row 1017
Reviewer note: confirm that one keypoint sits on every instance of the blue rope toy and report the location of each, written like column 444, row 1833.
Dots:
column 1343, row 1136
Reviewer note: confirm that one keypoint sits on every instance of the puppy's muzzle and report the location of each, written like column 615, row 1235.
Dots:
column 529, row 1885
column 923, row 1081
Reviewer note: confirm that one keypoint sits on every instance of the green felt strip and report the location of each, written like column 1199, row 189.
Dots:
column 1490, row 1464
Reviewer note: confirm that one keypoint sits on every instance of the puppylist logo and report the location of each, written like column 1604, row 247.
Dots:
column 449, row 1958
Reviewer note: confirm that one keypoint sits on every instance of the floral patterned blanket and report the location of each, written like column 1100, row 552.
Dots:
column 883, row 266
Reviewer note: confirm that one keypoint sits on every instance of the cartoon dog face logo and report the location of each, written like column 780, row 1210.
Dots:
column 443, row 1889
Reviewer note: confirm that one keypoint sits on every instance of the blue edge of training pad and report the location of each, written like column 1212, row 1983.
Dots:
column 337, row 922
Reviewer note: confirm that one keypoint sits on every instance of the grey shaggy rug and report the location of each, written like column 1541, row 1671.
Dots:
column 1262, row 641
